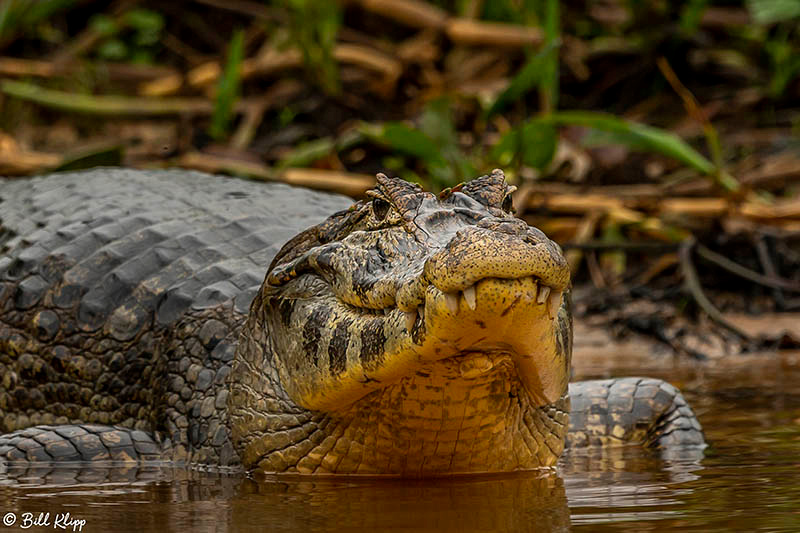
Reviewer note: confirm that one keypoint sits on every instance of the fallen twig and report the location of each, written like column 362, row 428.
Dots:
column 15, row 160
column 246, row 7
column 739, row 270
column 460, row 30
column 273, row 61
column 595, row 272
column 692, row 283
column 104, row 105
column 369, row 59
column 600, row 246
column 585, row 231
column 163, row 86
column 18, row 67
column 254, row 112
column 782, row 209
column 661, row 264
column 409, row 12
column 777, row 170
column 764, row 257
column 574, row 202
column 472, row 32
column 346, row 183
column 90, row 35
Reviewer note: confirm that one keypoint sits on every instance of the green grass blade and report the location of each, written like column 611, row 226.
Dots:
column 307, row 153
column 18, row 16
column 105, row 105
column 228, row 88
column 691, row 15
column 552, row 30
column 313, row 27
column 533, row 144
column 769, row 11
column 105, row 156
column 409, row 141
column 528, row 77
column 636, row 136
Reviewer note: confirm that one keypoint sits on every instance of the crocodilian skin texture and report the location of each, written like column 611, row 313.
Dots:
column 411, row 334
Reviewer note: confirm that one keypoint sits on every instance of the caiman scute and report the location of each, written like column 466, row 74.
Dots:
column 407, row 334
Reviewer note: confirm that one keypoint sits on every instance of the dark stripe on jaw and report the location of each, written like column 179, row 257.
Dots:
column 372, row 340
column 285, row 308
column 418, row 331
column 312, row 331
column 510, row 307
column 364, row 280
column 564, row 330
column 337, row 349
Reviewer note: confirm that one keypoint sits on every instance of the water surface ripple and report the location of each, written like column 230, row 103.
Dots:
column 747, row 480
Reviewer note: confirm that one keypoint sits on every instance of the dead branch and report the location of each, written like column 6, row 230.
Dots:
column 694, row 287
column 744, row 272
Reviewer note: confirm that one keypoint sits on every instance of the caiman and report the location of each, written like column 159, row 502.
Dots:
column 408, row 333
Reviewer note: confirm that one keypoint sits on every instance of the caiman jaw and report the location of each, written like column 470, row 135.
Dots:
column 513, row 316
column 493, row 289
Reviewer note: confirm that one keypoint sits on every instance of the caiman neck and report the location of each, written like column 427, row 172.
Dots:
column 464, row 414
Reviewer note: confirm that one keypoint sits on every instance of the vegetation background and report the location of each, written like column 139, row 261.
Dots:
column 658, row 141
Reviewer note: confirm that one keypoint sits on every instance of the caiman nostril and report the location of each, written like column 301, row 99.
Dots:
column 504, row 225
column 512, row 227
column 535, row 236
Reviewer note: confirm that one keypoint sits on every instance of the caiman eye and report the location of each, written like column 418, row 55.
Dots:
column 508, row 204
column 381, row 208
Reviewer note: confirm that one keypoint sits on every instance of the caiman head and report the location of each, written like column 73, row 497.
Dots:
column 410, row 334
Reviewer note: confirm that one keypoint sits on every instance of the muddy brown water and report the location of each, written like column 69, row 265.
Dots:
column 747, row 480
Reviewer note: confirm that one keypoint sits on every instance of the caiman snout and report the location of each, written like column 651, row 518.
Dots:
column 499, row 286
column 504, row 250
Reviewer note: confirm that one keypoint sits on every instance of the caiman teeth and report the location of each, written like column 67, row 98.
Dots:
column 451, row 299
column 411, row 318
column 469, row 296
column 554, row 303
column 535, row 290
column 544, row 293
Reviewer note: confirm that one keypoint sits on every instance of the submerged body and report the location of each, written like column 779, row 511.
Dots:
column 408, row 334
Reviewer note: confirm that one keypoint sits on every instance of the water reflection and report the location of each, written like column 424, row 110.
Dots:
column 178, row 500
column 598, row 486
column 508, row 503
column 746, row 481
column 628, row 484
